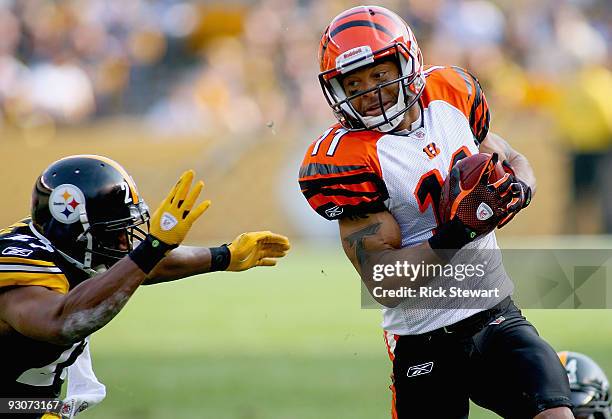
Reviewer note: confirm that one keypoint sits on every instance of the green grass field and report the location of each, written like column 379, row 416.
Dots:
column 289, row 342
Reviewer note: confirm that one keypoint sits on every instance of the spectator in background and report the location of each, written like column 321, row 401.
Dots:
column 192, row 67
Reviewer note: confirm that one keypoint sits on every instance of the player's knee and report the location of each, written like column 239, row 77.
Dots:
column 555, row 413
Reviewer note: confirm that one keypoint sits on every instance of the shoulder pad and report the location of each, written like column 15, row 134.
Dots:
column 459, row 88
column 340, row 174
column 28, row 260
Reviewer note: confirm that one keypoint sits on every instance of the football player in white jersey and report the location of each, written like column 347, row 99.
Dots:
column 379, row 171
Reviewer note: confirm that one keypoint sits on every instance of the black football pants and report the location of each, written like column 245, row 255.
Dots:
column 503, row 366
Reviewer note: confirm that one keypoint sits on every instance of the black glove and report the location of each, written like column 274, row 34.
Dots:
column 450, row 237
column 517, row 193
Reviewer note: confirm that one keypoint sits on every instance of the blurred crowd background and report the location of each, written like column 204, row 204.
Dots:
column 231, row 89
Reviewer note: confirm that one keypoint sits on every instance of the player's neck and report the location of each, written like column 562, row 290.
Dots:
column 411, row 116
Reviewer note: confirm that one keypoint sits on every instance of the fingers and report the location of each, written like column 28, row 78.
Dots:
column 274, row 239
column 266, row 262
column 272, row 253
column 170, row 197
column 186, row 198
column 514, row 205
column 508, row 168
column 266, row 238
column 199, row 210
column 258, row 248
column 503, row 185
column 183, row 187
column 193, row 196
column 506, row 220
column 275, row 247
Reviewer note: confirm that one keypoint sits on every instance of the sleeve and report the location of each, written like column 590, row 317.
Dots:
column 343, row 183
column 22, row 263
column 476, row 108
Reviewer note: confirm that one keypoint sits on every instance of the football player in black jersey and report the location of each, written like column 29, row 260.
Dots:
column 66, row 271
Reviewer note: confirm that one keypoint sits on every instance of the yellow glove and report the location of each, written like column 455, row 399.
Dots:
column 256, row 249
column 175, row 215
column 49, row 415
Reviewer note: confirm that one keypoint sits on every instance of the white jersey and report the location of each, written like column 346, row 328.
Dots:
column 352, row 173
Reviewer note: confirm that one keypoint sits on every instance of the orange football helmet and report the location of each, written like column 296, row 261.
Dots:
column 356, row 38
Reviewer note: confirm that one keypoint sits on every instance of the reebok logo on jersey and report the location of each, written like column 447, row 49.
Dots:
column 167, row 221
column 17, row 251
column 333, row 212
column 498, row 320
column 420, row 369
column 484, row 212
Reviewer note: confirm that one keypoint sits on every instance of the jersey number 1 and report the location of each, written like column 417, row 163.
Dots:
column 334, row 142
column 429, row 188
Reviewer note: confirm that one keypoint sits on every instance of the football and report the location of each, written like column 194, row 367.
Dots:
column 466, row 193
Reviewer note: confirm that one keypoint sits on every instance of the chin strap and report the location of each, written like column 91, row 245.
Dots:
column 86, row 235
column 69, row 259
column 77, row 264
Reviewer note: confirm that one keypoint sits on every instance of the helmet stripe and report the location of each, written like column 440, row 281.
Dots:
column 355, row 23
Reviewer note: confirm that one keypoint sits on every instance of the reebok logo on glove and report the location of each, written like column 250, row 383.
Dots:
column 484, row 212
column 167, row 222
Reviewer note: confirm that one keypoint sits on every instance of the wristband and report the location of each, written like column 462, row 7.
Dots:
column 149, row 252
column 219, row 258
column 451, row 237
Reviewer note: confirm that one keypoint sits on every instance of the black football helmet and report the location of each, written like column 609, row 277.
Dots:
column 589, row 385
column 89, row 209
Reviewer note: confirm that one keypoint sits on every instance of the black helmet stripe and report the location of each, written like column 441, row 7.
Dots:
column 355, row 23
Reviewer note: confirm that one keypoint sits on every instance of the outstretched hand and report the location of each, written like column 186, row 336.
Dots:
column 175, row 215
column 260, row 248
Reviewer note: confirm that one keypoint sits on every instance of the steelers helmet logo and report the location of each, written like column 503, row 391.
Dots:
column 66, row 203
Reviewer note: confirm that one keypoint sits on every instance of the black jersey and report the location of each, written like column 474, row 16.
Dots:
column 32, row 368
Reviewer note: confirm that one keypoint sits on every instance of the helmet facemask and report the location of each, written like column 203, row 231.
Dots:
column 107, row 242
column 410, row 82
column 592, row 402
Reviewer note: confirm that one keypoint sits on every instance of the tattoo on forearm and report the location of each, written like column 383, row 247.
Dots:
column 357, row 241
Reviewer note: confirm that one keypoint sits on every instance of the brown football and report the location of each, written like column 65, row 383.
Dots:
column 475, row 203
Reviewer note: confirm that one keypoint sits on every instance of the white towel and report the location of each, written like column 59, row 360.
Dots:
column 84, row 390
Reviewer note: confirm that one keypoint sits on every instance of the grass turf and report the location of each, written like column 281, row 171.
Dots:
column 289, row 342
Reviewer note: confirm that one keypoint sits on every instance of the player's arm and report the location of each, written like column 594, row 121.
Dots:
column 248, row 250
column 50, row 316
column 493, row 143
column 523, row 182
column 375, row 240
